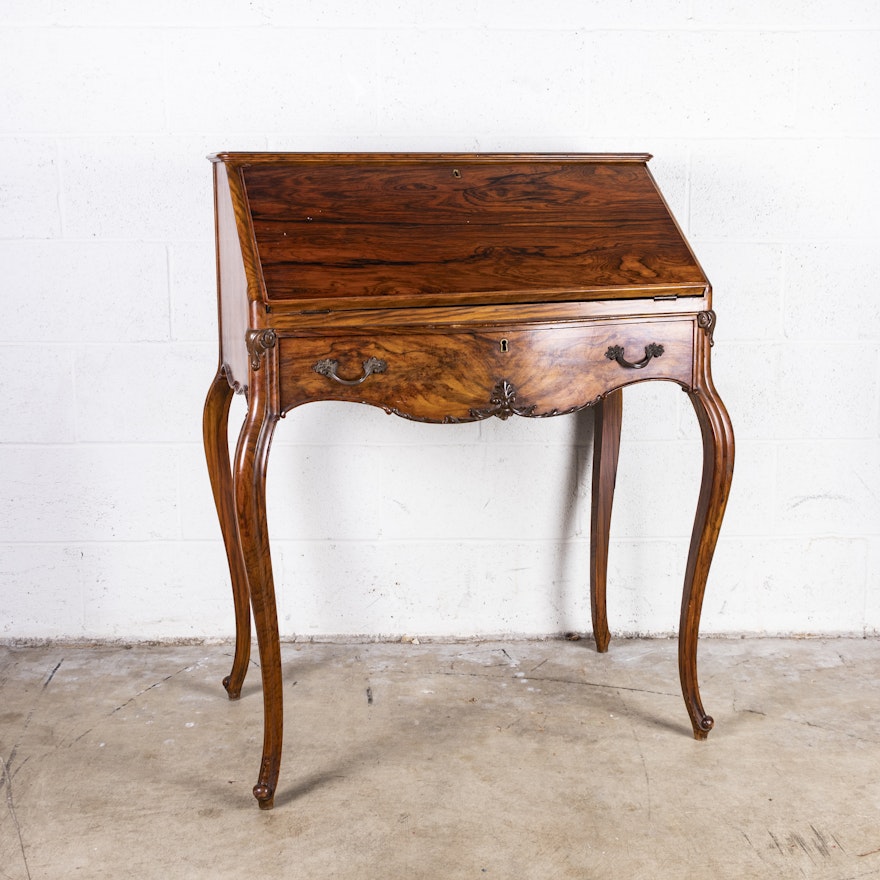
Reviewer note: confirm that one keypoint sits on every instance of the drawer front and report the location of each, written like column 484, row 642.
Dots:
column 469, row 375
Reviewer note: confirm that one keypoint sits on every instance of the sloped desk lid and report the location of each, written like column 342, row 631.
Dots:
column 378, row 229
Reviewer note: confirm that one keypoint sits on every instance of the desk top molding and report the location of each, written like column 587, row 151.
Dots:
column 240, row 159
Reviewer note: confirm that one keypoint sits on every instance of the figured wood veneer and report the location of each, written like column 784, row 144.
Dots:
column 443, row 377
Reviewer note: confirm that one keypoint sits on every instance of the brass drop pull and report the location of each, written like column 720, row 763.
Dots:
column 615, row 353
column 328, row 368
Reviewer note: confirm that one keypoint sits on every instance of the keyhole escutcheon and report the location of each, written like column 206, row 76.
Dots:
column 505, row 345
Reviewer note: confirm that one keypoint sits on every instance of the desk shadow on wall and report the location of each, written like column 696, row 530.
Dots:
column 571, row 581
column 355, row 496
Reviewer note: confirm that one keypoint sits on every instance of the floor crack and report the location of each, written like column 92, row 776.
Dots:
column 6, row 777
column 130, row 701
column 628, row 715
column 10, row 803
column 52, row 674
column 594, row 684
column 154, row 685
column 830, row 729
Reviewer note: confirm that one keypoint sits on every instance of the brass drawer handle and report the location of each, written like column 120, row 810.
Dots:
column 615, row 353
column 328, row 368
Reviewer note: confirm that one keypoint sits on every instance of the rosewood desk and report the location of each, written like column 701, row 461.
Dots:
column 450, row 288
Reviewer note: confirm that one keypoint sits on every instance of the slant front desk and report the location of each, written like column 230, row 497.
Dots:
column 450, row 288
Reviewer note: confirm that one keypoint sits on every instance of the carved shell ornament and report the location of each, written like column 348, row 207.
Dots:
column 502, row 404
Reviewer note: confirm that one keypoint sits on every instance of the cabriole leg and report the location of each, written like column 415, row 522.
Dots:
column 214, row 431
column 608, row 414
column 718, row 454
column 251, row 459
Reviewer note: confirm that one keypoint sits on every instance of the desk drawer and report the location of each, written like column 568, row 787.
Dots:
column 468, row 375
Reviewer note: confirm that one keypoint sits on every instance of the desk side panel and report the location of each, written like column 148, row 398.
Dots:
column 232, row 284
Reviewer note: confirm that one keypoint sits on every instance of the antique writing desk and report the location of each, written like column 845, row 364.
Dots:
column 450, row 288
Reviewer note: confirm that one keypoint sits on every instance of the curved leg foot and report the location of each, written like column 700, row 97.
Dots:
column 251, row 458
column 233, row 684
column 214, row 427
column 264, row 790
column 718, row 454
column 606, row 448
column 265, row 794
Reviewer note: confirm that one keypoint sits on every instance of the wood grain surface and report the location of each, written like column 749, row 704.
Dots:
column 436, row 229
column 451, row 376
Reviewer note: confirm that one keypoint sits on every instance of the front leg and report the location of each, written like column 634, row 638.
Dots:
column 718, row 455
column 251, row 458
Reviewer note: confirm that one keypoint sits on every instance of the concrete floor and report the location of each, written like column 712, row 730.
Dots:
column 508, row 760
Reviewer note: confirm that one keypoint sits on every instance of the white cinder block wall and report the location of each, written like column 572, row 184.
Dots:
column 764, row 119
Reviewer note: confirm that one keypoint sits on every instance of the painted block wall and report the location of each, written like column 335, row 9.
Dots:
column 764, row 120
